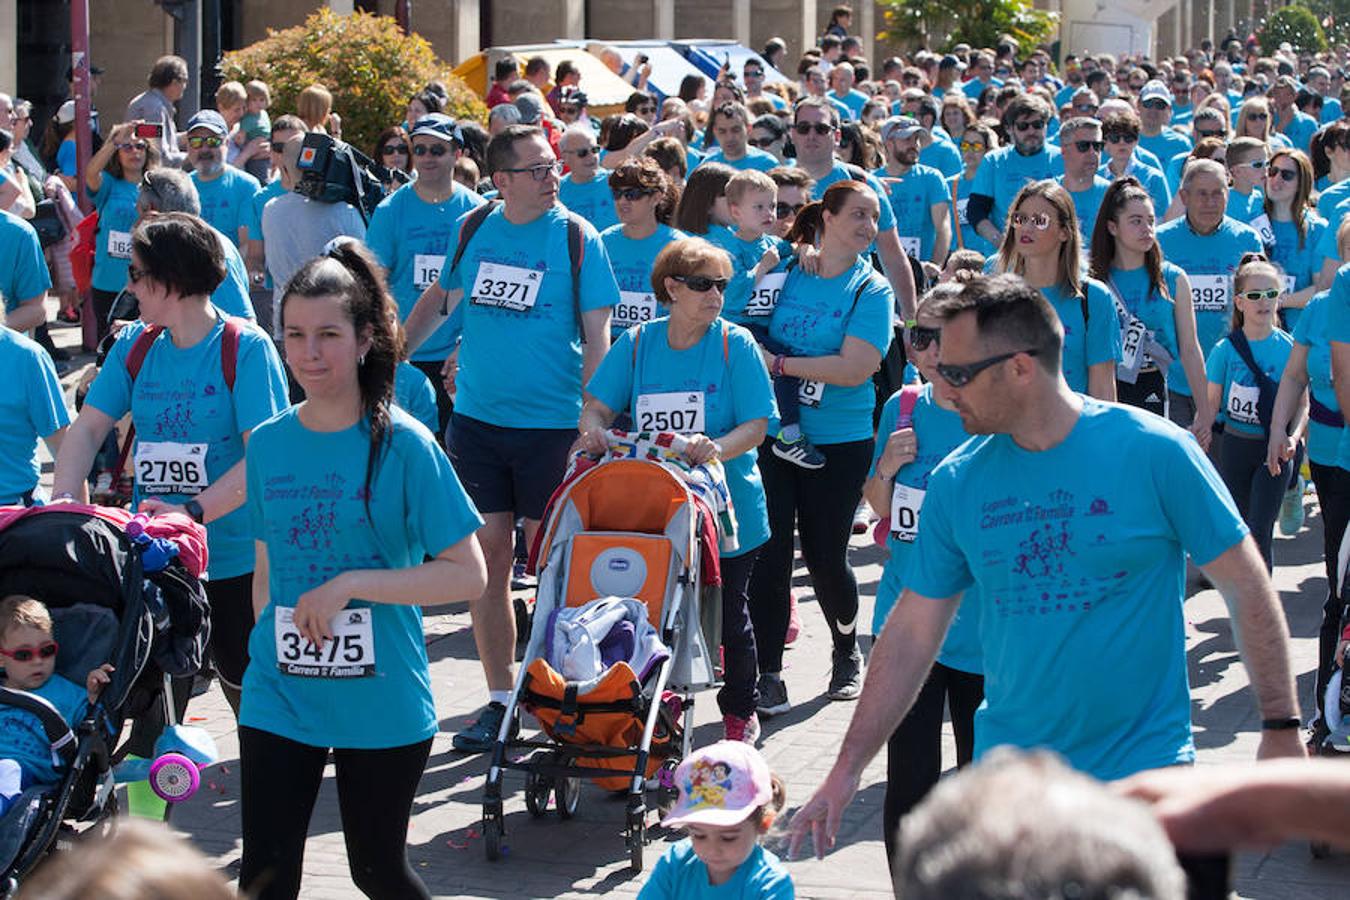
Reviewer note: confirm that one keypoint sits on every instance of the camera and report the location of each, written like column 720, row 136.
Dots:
column 335, row 172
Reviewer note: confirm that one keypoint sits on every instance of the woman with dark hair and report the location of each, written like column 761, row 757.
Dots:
column 1333, row 146
column 774, row 51
column 421, row 104
column 645, row 199
column 392, row 151
column 475, row 142
column 859, row 146
column 1298, row 230
column 770, row 133
column 359, row 521
column 58, row 147
column 643, row 105
column 693, row 89
column 703, row 205
column 193, row 418
column 836, row 323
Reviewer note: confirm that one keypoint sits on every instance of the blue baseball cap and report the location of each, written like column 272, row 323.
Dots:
column 210, row 120
column 439, row 125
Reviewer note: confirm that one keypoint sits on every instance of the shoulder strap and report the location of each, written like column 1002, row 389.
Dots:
column 140, row 348
column 909, row 398
column 1238, row 339
column 229, row 351
column 576, row 254
column 472, row 222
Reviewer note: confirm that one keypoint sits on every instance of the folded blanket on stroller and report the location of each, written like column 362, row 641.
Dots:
column 708, row 481
column 585, row 641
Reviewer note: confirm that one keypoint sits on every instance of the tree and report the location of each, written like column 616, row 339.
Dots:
column 1334, row 16
column 979, row 23
column 369, row 65
column 1295, row 24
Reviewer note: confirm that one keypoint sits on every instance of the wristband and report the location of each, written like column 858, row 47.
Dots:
column 910, row 323
column 777, row 369
column 194, row 509
column 1288, row 723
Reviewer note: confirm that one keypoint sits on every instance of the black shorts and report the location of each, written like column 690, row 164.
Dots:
column 511, row 470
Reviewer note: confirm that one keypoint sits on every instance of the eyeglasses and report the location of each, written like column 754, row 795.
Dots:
column 541, row 171
column 805, row 128
column 1088, row 146
column 133, row 145
column 280, row 147
column 582, row 152
column 434, row 150
column 762, row 142
column 631, row 194
column 783, row 210
column 701, row 284
column 45, row 650
column 1286, row 174
column 1270, row 294
column 196, row 143
column 1040, row 221
column 920, row 337
column 972, row 147
column 1121, row 138
column 960, row 376
column 1029, row 124
column 754, row 73
column 1155, row 104
column 389, row 149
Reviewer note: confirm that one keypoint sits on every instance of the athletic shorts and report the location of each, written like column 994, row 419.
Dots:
column 511, row 470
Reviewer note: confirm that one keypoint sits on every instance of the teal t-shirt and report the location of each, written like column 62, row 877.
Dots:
column 1087, row 343
column 1332, row 197
column 227, row 201
column 593, row 200
column 970, row 238
column 1324, row 441
column 840, row 172
column 1338, row 330
column 1244, row 207
column 518, row 305
column 31, row 407
column 745, row 255
column 306, row 502
column 1303, row 263
column 1086, row 204
column 115, row 203
column 754, row 158
column 942, row 154
column 680, row 875
column 812, row 317
column 22, row 737
column 726, row 372
column 937, row 432
column 414, row 395
column 1081, row 583
column 410, row 238
column 232, row 297
column 23, row 270
column 1003, row 172
column 912, row 197
column 632, row 261
column 179, row 399
column 1224, row 367
column 1158, row 313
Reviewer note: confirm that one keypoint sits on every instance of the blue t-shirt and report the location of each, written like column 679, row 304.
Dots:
column 726, row 367
column 593, row 200
column 812, row 318
column 745, row 255
column 306, row 502
column 1152, row 179
column 1302, row 263
column 115, row 203
column 66, row 158
column 1324, row 441
column 944, row 156
column 227, row 201
column 754, row 158
column 1338, row 330
column 840, row 172
column 1158, row 313
column 1300, row 130
column 912, row 197
column 23, row 271
column 1331, row 110
column 680, row 875
column 31, row 407
column 632, row 261
column 410, row 238
column 1224, row 367
column 1165, row 145
column 970, row 238
column 1244, row 207
column 855, row 100
column 1208, row 261
column 1087, row 343
column 414, row 395
column 1332, row 197
column 23, row 739
column 937, row 432
column 546, row 393
column 180, row 397
column 1003, row 172
column 975, row 87
column 1087, row 203
column 1081, row 583
column 232, row 297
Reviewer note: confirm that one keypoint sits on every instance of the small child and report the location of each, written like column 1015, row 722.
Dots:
column 728, row 800
column 28, row 655
column 959, row 261
column 254, row 125
column 759, row 264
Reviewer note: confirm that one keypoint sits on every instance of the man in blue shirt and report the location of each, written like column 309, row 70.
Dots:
column 981, row 76
column 917, row 193
column 731, row 130
column 1155, row 118
column 226, row 193
column 1080, row 142
column 841, row 79
column 1318, row 81
column 24, row 279
column 1289, row 120
column 937, row 149
column 1004, row 171
column 1080, row 582
column 583, row 190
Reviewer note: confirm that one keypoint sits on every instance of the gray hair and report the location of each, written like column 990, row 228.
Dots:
column 1024, row 825
column 168, row 190
column 1197, row 167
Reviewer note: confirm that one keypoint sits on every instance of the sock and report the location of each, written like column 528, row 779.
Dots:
column 502, row 697
column 790, row 433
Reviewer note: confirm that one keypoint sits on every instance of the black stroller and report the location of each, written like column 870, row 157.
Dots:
column 91, row 567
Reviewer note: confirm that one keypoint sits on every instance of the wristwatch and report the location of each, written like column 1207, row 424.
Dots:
column 1288, row 723
column 194, row 509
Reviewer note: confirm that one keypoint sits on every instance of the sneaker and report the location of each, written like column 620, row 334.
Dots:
column 846, row 680
column 1291, row 509
column 744, row 730
column 862, row 518
column 522, row 580
column 480, row 736
column 794, row 629
column 773, row 698
column 800, row 452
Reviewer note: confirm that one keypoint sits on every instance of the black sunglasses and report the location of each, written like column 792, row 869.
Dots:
column 920, row 337
column 1155, row 104
column 783, row 210
column 700, row 284
column 1286, row 174
column 583, row 152
column 1086, row 146
column 434, row 150
column 754, row 73
column 390, row 149
column 631, row 193
column 960, row 376
column 1201, row 135
column 805, row 128
column 761, row 143
column 1029, row 124
column 280, row 147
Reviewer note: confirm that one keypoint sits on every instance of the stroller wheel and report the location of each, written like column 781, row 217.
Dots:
column 568, row 794
column 492, row 829
column 537, row 791
column 174, row 777
column 1319, row 850
column 637, row 838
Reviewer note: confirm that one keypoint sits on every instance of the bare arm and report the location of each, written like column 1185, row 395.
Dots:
column 942, row 229
column 226, row 494
column 1192, row 360
column 93, row 172
column 1102, row 381
column 896, row 265
column 262, row 590
column 29, row 315
column 426, row 315
column 1288, row 403
column 1340, row 372
column 901, row 449
column 1327, row 275
column 851, row 366
column 82, row 439
column 55, row 439
column 595, row 326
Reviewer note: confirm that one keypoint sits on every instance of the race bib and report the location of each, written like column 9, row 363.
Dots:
column 1242, row 404
column 961, row 211
column 427, row 269
column 167, row 467
column 678, row 411
column 119, row 244
column 764, row 297
column 906, row 502
column 911, row 246
column 350, row 653
column 1209, row 293
column 1262, row 225
column 810, row 392
column 1289, row 282
column 506, row 287
column 1132, row 341
column 633, row 308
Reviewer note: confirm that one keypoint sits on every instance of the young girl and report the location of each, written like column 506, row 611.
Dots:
column 703, row 206
column 728, row 799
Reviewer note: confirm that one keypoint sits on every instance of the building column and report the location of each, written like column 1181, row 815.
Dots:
column 740, row 21
column 663, row 14
column 866, row 29
column 342, row 7
column 465, row 37
column 808, row 30
column 572, row 19
column 9, row 47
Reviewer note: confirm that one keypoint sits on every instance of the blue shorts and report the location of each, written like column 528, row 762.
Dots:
column 511, row 470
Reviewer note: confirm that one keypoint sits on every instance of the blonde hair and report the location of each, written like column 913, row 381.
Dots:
column 20, row 610
column 1251, row 264
column 313, row 105
column 229, row 94
column 1069, row 276
column 256, row 88
column 1250, row 105
column 743, row 183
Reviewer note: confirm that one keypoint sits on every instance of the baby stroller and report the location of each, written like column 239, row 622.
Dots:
column 624, row 554
column 123, row 590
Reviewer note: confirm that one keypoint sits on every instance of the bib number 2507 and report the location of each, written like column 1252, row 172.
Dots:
column 349, row 654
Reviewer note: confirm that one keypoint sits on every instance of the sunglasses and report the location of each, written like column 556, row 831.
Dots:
column 1040, row 221
column 389, row 150
column 45, row 650
column 761, row 143
column 631, row 193
column 960, row 376
column 1121, row 138
column 133, row 145
column 1286, row 174
column 136, row 274
column 1088, row 146
column 434, row 150
column 972, row 147
column 783, row 210
column 1155, row 104
column 198, row 142
column 1029, row 124
column 1201, row 135
column 920, row 337
column 1257, row 164
column 280, row 147
column 805, row 128
column 701, row 284
column 1269, row 294
column 753, row 73
column 1257, row 117
column 582, row 152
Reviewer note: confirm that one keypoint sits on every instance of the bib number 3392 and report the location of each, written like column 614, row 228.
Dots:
column 168, row 467
column 507, row 287
column 349, row 654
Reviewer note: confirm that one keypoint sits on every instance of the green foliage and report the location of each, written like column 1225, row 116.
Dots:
column 1334, row 16
column 979, row 23
column 1295, row 24
column 365, row 61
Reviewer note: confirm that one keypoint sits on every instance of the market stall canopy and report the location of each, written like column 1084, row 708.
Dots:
column 669, row 65
column 606, row 91
column 708, row 55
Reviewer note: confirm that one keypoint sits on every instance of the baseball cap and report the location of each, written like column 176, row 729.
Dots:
column 508, row 112
column 952, row 61
column 1155, row 90
column 210, row 120
column 573, row 95
column 438, row 125
column 66, row 114
column 900, row 127
column 531, row 109
column 721, row 784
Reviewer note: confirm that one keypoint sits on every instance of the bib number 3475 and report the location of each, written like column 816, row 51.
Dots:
column 349, row 654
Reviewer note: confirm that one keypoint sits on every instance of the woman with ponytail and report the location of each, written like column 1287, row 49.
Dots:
column 358, row 521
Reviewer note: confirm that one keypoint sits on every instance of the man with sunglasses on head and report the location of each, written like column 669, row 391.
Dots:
column 410, row 232
column 1079, row 578
column 918, row 194
column 1080, row 142
column 1004, row 171
column 583, row 189
column 535, row 324
column 753, row 76
column 226, row 192
column 1288, row 119
column 1155, row 118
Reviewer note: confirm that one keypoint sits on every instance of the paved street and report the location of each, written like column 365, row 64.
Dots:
column 586, row 857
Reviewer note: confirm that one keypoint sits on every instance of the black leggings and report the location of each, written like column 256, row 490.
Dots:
column 914, row 751
column 1257, row 493
column 827, row 499
column 444, row 405
column 231, row 622
column 103, row 303
column 739, row 662
column 280, row 781
column 1333, row 494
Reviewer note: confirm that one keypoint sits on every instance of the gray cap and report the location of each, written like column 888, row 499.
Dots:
column 531, row 109
column 1155, row 90
column 900, row 127
column 952, row 61
column 210, row 120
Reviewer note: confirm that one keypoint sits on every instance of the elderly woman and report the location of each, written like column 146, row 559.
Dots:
column 694, row 368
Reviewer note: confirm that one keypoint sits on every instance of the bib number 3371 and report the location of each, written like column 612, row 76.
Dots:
column 349, row 654
column 507, row 287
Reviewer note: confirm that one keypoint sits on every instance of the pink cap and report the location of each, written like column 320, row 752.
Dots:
column 721, row 784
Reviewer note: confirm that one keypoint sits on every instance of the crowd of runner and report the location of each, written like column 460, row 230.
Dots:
column 940, row 289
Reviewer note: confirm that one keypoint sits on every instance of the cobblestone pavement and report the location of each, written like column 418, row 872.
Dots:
column 585, row 857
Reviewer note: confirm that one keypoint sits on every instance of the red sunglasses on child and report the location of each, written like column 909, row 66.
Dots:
column 26, row 654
